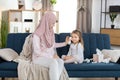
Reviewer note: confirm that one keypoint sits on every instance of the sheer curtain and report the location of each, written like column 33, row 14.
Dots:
column 84, row 16
column 67, row 15
column 46, row 4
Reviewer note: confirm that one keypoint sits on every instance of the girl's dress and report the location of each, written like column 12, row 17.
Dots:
column 76, row 51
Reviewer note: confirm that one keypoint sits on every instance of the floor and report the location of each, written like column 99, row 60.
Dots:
column 74, row 79
column 92, row 79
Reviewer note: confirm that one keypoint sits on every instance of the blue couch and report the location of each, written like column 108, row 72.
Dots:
column 91, row 42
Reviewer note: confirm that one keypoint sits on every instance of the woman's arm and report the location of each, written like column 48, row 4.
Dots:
column 57, row 45
column 36, row 45
column 63, row 43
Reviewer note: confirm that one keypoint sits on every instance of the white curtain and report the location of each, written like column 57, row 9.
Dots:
column 46, row 5
column 84, row 17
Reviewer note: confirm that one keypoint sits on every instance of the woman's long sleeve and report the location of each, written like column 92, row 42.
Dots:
column 57, row 45
column 36, row 45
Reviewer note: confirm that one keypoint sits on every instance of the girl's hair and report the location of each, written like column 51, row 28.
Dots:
column 79, row 34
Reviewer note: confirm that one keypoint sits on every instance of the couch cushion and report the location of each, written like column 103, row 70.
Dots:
column 93, row 41
column 93, row 67
column 63, row 50
column 16, row 41
column 56, row 37
column 10, row 66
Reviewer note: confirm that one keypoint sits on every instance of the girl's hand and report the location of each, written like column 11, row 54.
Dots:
column 55, row 56
column 67, row 57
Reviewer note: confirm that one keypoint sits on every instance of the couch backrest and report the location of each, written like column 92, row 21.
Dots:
column 91, row 42
column 16, row 41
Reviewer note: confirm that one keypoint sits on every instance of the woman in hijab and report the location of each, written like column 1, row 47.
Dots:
column 44, row 46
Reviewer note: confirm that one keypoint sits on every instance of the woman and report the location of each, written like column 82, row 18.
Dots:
column 44, row 46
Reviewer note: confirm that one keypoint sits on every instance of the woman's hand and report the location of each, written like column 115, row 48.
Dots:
column 67, row 39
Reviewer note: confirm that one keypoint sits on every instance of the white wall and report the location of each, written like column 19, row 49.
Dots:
column 13, row 4
column 96, row 16
column 97, row 12
column 7, row 4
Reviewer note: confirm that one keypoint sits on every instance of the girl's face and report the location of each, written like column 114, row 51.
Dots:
column 75, row 38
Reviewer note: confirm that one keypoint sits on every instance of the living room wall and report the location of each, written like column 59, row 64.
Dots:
column 7, row 4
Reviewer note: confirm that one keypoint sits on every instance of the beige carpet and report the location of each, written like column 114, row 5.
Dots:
column 92, row 79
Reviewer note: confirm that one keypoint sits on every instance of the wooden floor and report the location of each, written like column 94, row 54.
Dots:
column 75, row 79
column 92, row 79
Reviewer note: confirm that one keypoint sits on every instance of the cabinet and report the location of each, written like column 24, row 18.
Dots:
column 21, row 21
column 105, row 22
column 114, row 35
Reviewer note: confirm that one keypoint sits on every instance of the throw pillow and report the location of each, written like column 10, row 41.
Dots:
column 113, row 54
column 8, row 54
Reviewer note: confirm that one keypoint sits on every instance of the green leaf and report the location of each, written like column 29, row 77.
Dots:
column 112, row 16
column 53, row 2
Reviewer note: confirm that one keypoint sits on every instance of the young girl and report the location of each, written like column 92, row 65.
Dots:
column 75, row 54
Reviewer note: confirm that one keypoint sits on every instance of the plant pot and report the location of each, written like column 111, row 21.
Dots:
column 112, row 26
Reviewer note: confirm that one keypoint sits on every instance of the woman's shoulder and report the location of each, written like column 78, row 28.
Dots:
column 35, row 37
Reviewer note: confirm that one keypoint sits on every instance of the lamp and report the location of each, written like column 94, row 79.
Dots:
column 37, row 5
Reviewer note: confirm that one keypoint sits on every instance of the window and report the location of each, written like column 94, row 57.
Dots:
column 67, row 15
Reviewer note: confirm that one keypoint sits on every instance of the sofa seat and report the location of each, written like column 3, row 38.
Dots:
column 93, row 67
column 8, row 66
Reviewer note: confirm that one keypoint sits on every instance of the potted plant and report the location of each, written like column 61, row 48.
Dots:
column 3, row 33
column 53, row 2
column 112, row 18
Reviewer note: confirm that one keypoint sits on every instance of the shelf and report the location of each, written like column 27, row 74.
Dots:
column 110, row 12
column 112, row 29
column 21, row 20
column 114, row 35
